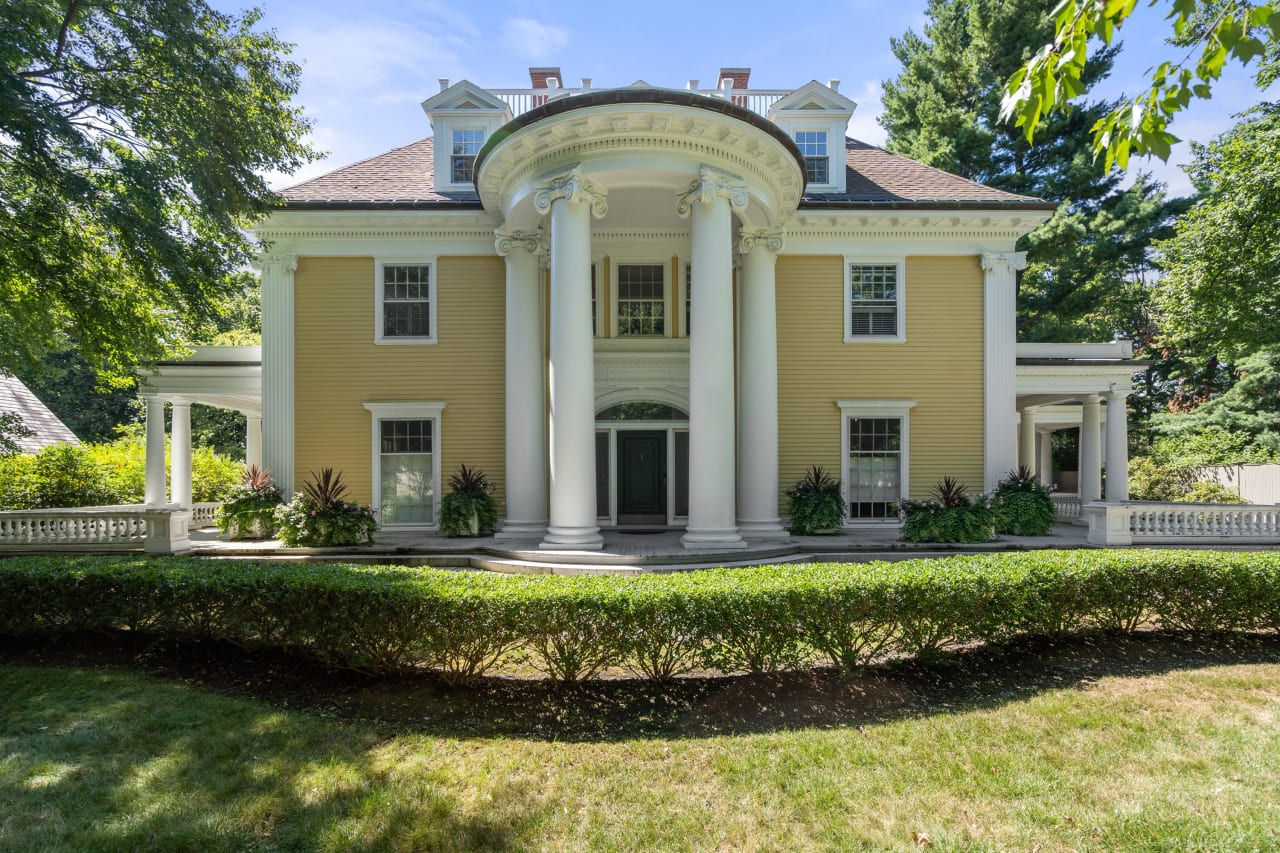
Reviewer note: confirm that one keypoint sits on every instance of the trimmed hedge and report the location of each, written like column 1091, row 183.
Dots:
column 384, row 619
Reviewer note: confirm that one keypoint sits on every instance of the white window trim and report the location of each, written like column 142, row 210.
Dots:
column 402, row 412
column 850, row 409
column 901, row 336
column 615, row 287
column 379, row 291
column 834, row 140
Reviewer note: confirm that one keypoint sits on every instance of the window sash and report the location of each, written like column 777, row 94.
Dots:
column 873, row 300
column 874, row 468
column 641, row 300
column 813, row 148
column 407, row 471
column 466, row 145
column 406, row 301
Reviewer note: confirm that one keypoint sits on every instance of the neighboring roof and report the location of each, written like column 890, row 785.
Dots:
column 402, row 178
column 17, row 397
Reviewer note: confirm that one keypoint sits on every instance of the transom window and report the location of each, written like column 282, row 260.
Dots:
column 406, row 301
column 873, row 300
column 407, row 471
column 813, row 147
column 875, row 467
column 466, row 145
column 641, row 300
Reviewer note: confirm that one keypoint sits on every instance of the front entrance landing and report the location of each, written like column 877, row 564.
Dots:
column 626, row 553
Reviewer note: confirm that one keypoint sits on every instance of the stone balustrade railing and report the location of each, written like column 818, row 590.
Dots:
column 155, row 530
column 1066, row 505
column 1142, row 523
column 202, row 514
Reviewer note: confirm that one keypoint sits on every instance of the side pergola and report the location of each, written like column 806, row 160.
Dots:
column 1062, row 386
column 226, row 377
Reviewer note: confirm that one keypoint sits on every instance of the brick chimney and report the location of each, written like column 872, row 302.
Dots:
column 540, row 76
column 739, row 76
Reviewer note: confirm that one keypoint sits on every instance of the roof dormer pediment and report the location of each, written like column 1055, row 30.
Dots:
column 464, row 96
column 813, row 97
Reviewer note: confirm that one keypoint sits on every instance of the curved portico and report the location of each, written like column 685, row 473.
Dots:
column 628, row 162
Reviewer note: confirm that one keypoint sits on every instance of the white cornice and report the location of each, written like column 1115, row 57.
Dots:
column 285, row 225
column 923, row 224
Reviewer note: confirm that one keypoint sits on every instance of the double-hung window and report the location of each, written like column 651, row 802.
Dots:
column 405, row 303
column 876, row 460
column 873, row 301
column 466, row 145
column 406, row 458
column 642, row 300
column 813, row 147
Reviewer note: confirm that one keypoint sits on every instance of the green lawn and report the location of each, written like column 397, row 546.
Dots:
column 1186, row 759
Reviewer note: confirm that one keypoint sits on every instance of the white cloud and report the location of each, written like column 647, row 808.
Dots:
column 532, row 39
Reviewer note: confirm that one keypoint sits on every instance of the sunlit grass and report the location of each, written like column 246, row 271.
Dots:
column 105, row 760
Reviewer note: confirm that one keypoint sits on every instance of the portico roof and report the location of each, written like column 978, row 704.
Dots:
column 226, row 377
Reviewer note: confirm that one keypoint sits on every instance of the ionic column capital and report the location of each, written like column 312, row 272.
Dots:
column 771, row 239
column 573, row 187
column 506, row 241
column 1118, row 395
column 276, row 262
column 712, row 185
column 1001, row 261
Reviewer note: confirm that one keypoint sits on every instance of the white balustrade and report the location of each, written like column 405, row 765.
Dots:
column 204, row 515
column 522, row 100
column 1066, row 505
column 1138, row 523
column 156, row 530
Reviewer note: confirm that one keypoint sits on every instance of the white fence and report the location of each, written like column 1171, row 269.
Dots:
column 1258, row 484
column 1066, row 505
column 1142, row 523
column 156, row 530
column 202, row 515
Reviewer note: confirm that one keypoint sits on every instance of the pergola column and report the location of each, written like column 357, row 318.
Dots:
column 1117, row 446
column 758, row 406
column 277, row 367
column 1091, row 450
column 1027, row 439
column 526, row 459
column 154, row 480
column 253, row 439
column 180, row 453
column 1045, row 468
column 712, row 459
column 572, row 199
column 1000, row 358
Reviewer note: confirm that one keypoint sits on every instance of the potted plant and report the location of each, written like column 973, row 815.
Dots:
column 248, row 510
column 469, row 508
column 952, row 516
column 320, row 516
column 1022, row 504
column 816, row 503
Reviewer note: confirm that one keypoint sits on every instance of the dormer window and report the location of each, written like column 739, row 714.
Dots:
column 466, row 145
column 813, row 145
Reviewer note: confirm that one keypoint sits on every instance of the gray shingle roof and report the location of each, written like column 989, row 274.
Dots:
column 403, row 176
column 17, row 397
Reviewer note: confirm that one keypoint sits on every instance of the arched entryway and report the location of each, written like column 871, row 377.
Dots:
column 642, row 465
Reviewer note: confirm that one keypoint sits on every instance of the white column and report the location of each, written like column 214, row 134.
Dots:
column 1091, row 450
column 572, row 199
column 253, row 439
column 180, row 454
column 1117, row 446
column 1046, row 457
column 712, row 515
column 999, row 358
column 526, row 461
column 1027, row 440
column 153, row 483
column 277, row 367
column 758, row 406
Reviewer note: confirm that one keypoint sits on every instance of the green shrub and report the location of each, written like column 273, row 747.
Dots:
column 320, row 516
column 468, row 509
column 1022, row 505
column 952, row 516
column 1209, row 492
column 816, row 503
column 248, row 511
column 1150, row 480
column 384, row 619
column 61, row 475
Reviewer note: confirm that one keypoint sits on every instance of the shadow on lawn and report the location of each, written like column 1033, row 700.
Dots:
column 613, row 709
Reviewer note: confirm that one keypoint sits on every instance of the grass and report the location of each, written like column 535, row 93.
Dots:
column 1179, row 752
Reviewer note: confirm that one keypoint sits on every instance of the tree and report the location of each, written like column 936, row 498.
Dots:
column 12, row 430
column 1220, row 293
column 134, row 137
column 1249, row 409
column 1214, row 32
column 1087, row 266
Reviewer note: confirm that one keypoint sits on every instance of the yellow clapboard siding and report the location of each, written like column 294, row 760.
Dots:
column 939, row 366
column 338, row 368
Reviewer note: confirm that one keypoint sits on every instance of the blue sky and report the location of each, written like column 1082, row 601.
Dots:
column 367, row 66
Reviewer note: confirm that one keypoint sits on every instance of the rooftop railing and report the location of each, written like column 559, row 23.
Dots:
column 522, row 100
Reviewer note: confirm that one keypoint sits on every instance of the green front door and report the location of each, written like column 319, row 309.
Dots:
column 642, row 477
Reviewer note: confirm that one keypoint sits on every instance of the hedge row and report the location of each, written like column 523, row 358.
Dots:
column 384, row 619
